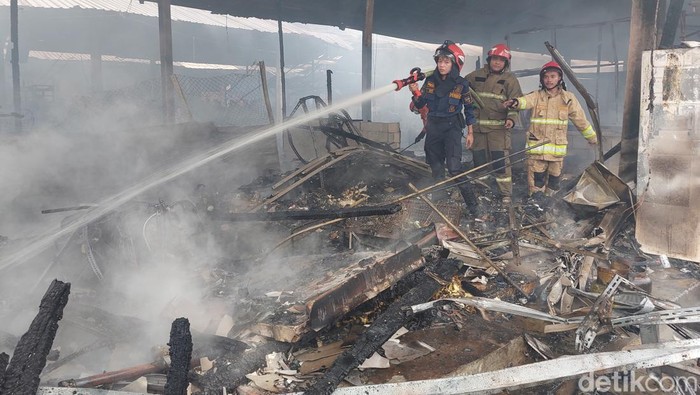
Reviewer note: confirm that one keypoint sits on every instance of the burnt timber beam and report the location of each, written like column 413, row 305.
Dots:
column 14, row 37
column 367, row 58
column 128, row 374
column 180, row 355
column 4, row 360
column 29, row 357
column 642, row 29
column 385, row 325
column 354, row 212
column 673, row 16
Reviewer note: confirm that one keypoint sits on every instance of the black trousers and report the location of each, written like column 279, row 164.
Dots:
column 443, row 146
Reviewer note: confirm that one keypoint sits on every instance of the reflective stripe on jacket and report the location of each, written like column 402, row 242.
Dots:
column 446, row 104
column 549, row 120
column 493, row 89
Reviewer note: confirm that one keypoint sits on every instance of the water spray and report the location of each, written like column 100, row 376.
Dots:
column 111, row 203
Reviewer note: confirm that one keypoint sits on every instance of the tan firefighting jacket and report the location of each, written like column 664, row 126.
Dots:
column 549, row 120
column 493, row 89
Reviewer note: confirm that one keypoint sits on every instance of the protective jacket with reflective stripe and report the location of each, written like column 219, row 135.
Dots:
column 550, row 117
column 493, row 89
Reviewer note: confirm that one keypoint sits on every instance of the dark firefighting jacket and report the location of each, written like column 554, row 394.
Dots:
column 493, row 89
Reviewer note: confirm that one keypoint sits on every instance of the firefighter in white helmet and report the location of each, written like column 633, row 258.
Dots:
column 552, row 109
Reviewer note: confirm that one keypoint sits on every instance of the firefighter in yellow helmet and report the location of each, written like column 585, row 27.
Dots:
column 552, row 109
column 494, row 83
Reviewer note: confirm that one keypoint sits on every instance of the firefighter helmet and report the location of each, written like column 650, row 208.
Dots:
column 452, row 51
column 499, row 50
column 552, row 66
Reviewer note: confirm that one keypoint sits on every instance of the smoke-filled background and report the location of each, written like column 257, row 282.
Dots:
column 92, row 127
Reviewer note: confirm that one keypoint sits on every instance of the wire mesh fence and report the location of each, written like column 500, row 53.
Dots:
column 222, row 97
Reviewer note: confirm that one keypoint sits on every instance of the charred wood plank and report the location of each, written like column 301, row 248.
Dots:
column 231, row 375
column 366, row 211
column 385, row 326
column 302, row 180
column 180, row 356
column 128, row 374
column 4, row 360
column 29, row 357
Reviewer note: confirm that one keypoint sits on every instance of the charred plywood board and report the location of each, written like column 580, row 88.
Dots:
column 668, row 176
column 324, row 299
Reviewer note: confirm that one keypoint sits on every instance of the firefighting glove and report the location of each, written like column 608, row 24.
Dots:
column 419, row 137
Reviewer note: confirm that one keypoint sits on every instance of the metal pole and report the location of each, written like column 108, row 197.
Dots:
column 284, row 83
column 642, row 27
column 166, row 60
column 14, row 37
column 617, row 66
column 367, row 58
column 600, row 55
column 329, row 86
column 266, row 92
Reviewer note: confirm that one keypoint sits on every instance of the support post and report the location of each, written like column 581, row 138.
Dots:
column 96, row 72
column 367, row 58
column 642, row 28
column 329, row 87
column 617, row 66
column 282, row 78
column 266, row 92
column 14, row 37
column 673, row 17
column 598, row 60
column 166, row 60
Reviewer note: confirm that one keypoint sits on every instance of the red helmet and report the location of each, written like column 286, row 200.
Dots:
column 452, row 51
column 552, row 66
column 499, row 50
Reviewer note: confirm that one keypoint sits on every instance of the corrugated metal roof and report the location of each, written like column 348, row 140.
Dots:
column 183, row 14
column 347, row 39
column 70, row 56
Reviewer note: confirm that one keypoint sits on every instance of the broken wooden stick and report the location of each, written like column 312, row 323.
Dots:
column 472, row 245
column 310, row 228
column 385, row 325
column 128, row 374
column 445, row 181
column 29, row 357
column 180, row 356
column 555, row 244
column 288, row 215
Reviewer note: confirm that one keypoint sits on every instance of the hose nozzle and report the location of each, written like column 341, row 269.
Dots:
column 414, row 75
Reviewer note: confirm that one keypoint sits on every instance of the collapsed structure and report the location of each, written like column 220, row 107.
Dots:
column 352, row 273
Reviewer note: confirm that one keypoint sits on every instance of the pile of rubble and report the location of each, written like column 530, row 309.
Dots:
column 368, row 286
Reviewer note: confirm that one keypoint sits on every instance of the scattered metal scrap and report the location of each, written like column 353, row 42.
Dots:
column 339, row 281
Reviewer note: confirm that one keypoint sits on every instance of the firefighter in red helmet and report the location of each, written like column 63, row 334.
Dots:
column 446, row 96
column 552, row 109
column 494, row 83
